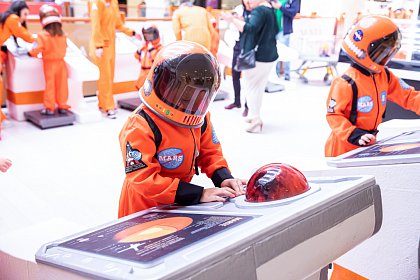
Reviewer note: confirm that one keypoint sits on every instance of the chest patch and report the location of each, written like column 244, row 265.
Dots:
column 171, row 158
column 382, row 96
column 364, row 104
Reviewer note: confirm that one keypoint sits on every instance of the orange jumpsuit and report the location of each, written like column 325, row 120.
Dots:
column 105, row 18
column 53, row 49
column 215, row 37
column 11, row 27
column 373, row 92
column 195, row 21
column 162, row 177
column 146, row 56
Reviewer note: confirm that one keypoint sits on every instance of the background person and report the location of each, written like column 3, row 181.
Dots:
column 105, row 18
column 242, row 12
column 52, row 43
column 259, row 29
column 12, row 23
column 287, row 11
column 195, row 22
column 215, row 36
column 142, row 8
column 163, row 148
column 147, row 53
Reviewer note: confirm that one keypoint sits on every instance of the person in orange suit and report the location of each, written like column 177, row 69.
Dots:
column 215, row 37
column 52, row 43
column 195, row 22
column 12, row 23
column 105, row 18
column 357, row 100
column 170, row 135
column 147, row 54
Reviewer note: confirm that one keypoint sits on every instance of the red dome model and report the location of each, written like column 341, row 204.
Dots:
column 275, row 181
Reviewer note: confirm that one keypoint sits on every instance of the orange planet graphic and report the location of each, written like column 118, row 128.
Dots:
column 152, row 229
column 400, row 147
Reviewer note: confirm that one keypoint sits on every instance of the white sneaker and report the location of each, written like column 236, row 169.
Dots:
column 6, row 124
column 111, row 114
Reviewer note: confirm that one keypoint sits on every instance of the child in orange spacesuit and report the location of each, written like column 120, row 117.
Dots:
column 357, row 100
column 170, row 135
column 147, row 54
column 51, row 42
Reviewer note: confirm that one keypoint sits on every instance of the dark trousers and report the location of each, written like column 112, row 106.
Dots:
column 236, row 75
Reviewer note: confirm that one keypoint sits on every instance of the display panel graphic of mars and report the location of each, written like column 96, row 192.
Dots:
column 153, row 235
column 394, row 149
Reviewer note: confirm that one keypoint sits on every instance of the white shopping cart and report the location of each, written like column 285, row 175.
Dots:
column 318, row 45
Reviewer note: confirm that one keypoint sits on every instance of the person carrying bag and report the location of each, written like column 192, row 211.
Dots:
column 258, row 53
column 246, row 60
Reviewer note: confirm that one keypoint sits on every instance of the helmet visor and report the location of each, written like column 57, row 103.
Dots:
column 383, row 50
column 150, row 35
column 189, row 85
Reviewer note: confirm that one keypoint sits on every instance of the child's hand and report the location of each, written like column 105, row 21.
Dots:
column 367, row 139
column 141, row 45
column 99, row 52
column 138, row 36
column 5, row 164
column 236, row 184
column 216, row 194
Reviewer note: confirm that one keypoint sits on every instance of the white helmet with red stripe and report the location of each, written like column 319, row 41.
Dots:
column 49, row 14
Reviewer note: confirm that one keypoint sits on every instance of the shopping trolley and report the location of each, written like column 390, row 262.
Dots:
column 317, row 43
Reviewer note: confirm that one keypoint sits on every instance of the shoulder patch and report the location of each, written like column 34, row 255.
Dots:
column 214, row 138
column 331, row 106
column 365, row 104
column 133, row 160
column 403, row 84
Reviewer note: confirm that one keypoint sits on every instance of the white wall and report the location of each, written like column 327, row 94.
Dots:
column 328, row 8
column 155, row 8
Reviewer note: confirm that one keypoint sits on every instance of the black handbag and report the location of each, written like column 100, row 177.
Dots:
column 247, row 60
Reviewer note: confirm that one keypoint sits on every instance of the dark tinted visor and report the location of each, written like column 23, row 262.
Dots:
column 383, row 50
column 150, row 35
column 187, row 83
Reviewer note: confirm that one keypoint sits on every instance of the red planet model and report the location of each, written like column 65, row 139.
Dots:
column 275, row 181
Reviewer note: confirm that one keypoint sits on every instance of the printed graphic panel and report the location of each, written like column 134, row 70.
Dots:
column 153, row 235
